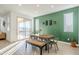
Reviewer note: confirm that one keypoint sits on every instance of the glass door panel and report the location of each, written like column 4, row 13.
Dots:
column 28, row 28
column 24, row 28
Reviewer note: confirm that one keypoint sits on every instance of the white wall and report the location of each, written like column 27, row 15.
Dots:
column 0, row 23
column 6, row 18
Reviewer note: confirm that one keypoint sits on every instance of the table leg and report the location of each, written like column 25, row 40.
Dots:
column 46, row 47
column 40, row 51
column 26, row 45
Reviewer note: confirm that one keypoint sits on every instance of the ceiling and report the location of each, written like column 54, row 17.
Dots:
column 34, row 10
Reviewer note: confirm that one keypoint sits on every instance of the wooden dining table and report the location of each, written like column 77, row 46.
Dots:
column 43, row 37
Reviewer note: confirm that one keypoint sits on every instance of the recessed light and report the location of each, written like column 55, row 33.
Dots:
column 52, row 6
column 19, row 4
column 37, row 5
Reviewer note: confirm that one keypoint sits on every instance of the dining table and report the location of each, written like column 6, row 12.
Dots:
column 42, row 37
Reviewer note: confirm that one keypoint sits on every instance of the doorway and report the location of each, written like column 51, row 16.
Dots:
column 24, row 28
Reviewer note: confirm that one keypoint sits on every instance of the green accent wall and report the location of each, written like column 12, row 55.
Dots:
column 58, row 28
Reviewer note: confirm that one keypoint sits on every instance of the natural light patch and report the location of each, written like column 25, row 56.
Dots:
column 68, row 22
column 37, row 25
column 20, row 19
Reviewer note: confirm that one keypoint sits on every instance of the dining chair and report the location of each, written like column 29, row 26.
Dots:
column 54, row 42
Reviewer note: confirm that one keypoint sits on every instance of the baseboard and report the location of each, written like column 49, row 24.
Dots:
column 67, row 43
column 64, row 42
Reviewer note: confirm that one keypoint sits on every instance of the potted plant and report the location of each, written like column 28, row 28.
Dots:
column 73, row 43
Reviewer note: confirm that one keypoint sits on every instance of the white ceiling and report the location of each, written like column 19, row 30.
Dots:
column 34, row 10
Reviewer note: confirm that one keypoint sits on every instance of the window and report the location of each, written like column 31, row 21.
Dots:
column 37, row 24
column 68, row 22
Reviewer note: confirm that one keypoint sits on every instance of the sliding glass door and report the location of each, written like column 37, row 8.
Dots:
column 28, row 28
column 23, row 28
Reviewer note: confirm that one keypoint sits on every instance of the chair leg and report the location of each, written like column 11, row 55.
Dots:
column 51, row 45
column 57, row 46
column 48, row 48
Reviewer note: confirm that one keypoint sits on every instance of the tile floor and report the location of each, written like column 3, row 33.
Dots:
column 64, row 49
column 4, row 43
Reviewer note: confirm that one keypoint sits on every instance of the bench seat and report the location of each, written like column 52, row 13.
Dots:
column 37, row 43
